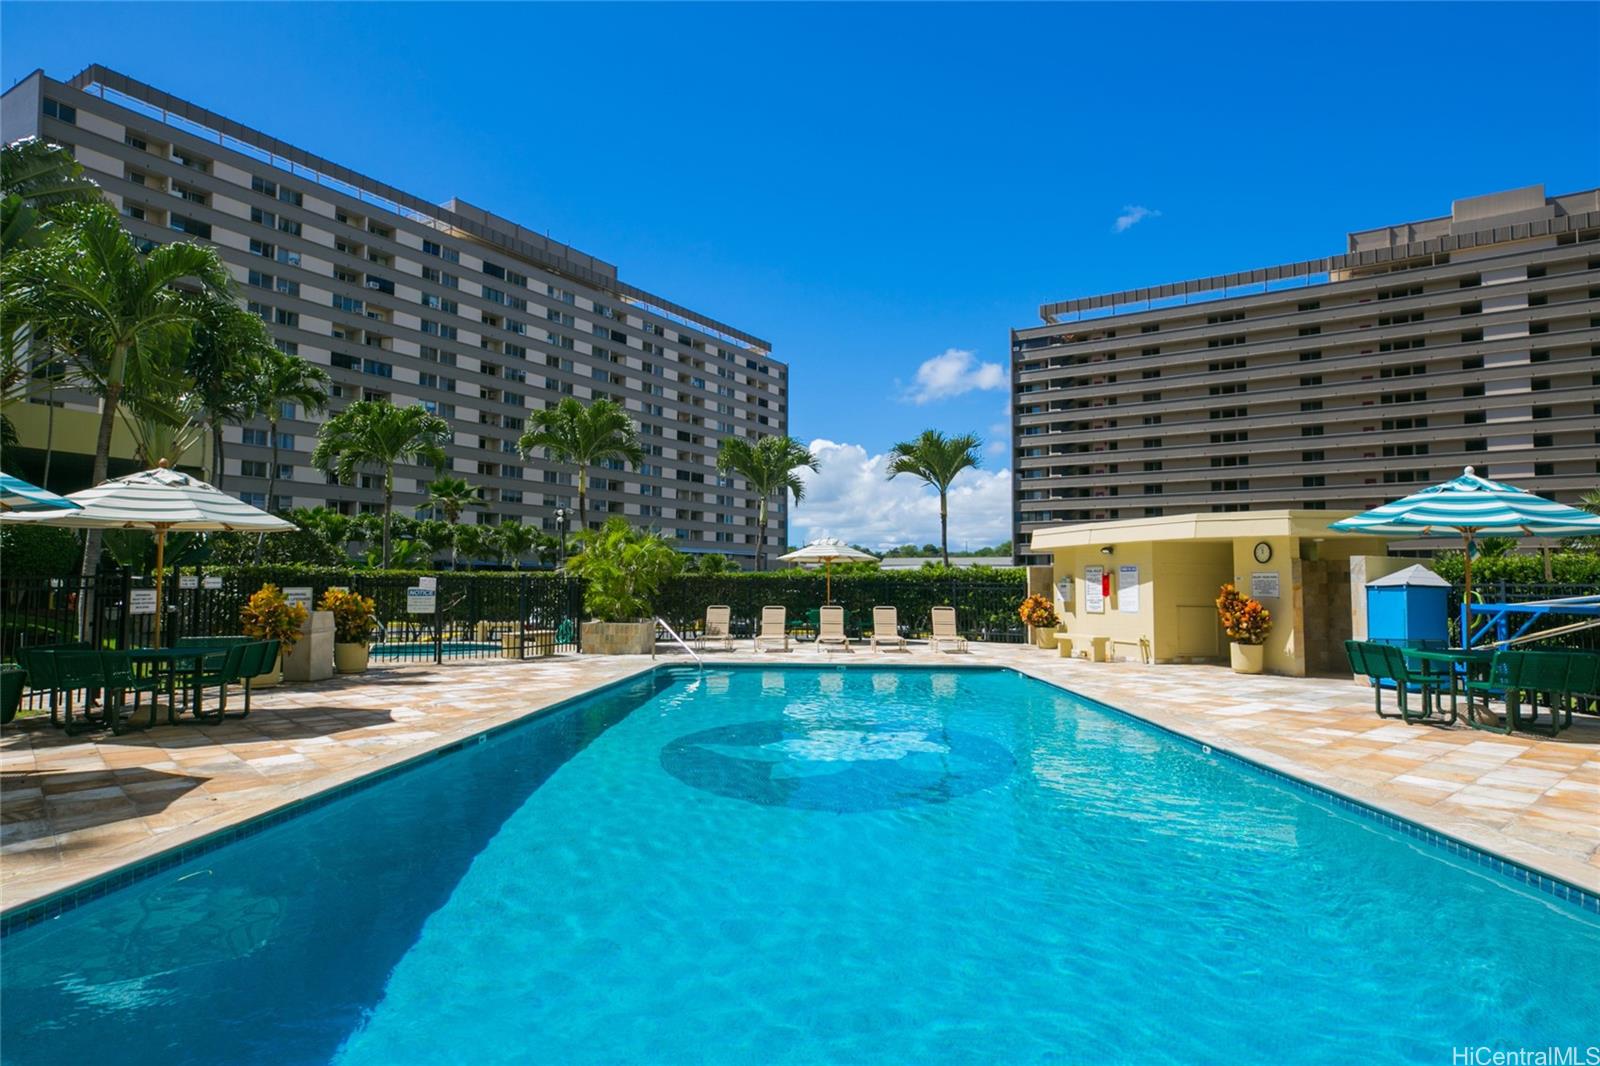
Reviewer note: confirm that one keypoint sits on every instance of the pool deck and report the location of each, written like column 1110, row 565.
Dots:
column 72, row 808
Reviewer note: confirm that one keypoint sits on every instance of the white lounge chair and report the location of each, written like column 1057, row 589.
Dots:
column 886, row 629
column 830, row 629
column 944, row 631
column 718, row 630
column 774, row 629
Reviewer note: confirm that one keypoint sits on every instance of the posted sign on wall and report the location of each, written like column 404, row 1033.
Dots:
column 1264, row 585
column 1094, row 589
column 1128, row 589
column 141, row 601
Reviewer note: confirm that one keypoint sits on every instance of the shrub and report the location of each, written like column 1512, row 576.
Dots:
column 268, row 615
column 1038, row 612
column 1243, row 618
column 625, row 568
column 353, row 615
column 38, row 551
column 1579, row 568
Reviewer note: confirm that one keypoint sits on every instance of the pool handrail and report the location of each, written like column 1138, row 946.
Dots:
column 673, row 633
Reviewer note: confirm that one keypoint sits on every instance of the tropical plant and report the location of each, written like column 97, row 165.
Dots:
column 1039, row 612
column 936, row 459
column 770, row 466
column 268, row 615
column 353, row 615
column 711, row 564
column 450, row 496
column 222, row 368
column 280, row 378
column 405, row 553
column 569, row 432
column 377, row 434
column 1243, row 619
column 623, row 568
column 438, row 536
column 116, row 313
column 516, row 540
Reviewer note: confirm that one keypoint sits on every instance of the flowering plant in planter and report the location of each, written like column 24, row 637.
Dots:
column 268, row 615
column 1243, row 619
column 353, row 615
column 1038, row 612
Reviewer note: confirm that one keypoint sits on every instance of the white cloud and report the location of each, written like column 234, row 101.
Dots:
column 1131, row 216
column 851, row 497
column 955, row 372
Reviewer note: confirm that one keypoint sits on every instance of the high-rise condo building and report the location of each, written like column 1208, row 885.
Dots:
column 474, row 316
column 1337, row 383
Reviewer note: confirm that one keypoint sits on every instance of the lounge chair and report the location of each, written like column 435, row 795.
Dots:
column 886, row 629
column 718, row 629
column 945, row 632
column 830, row 629
column 774, row 629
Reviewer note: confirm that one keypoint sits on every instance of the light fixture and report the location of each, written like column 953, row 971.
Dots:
column 1107, row 550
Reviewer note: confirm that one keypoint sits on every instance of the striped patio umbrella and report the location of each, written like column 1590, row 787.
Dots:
column 1473, row 506
column 162, row 501
column 19, row 495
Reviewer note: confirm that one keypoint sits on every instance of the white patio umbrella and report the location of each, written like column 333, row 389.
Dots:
column 162, row 501
column 827, row 551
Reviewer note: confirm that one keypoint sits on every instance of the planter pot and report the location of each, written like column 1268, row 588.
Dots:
column 271, row 677
column 350, row 658
column 1247, row 658
column 619, row 638
column 1045, row 638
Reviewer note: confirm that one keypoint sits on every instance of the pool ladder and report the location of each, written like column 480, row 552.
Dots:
column 673, row 633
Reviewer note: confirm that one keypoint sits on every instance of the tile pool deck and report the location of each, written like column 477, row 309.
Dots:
column 72, row 808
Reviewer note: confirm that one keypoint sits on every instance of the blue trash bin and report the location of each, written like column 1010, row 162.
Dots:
column 1409, row 607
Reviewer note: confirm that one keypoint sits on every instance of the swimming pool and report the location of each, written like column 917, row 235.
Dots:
column 454, row 648
column 811, row 865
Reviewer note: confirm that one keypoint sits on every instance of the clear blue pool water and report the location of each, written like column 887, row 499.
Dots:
column 808, row 866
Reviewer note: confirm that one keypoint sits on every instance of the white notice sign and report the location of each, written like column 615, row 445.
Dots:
column 1064, row 593
column 1128, row 589
column 211, row 583
column 141, row 601
column 429, row 583
column 420, row 601
column 1264, row 585
column 300, row 594
column 1094, row 596
column 188, row 581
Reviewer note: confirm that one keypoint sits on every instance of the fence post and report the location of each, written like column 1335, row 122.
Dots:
column 122, row 613
column 522, row 617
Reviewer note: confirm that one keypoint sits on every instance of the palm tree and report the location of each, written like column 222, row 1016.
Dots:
column 282, row 378
column 115, row 312
column 937, row 459
column 376, row 433
column 451, row 496
column 769, row 466
column 223, row 363
column 436, row 535
column 515, row 541
column 569, row 432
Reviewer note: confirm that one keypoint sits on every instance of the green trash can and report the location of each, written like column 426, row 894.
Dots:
column 11, row 678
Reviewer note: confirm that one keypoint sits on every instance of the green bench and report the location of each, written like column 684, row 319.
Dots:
column 1382, row 663
column 1559, row 677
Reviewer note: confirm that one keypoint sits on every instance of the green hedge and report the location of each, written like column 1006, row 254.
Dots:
column 39, row 551
column 1580, row 569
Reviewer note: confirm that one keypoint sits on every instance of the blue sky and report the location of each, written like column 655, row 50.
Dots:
column 877, row 187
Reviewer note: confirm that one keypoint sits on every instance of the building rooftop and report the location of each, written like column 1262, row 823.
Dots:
column 454, row 215
column 1514, row 215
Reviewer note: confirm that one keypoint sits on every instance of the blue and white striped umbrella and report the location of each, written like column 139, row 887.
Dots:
column 1474, row 507
column 19, row 495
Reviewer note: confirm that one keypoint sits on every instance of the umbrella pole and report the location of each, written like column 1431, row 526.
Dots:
column 1466, row 591
column 827, row 578
column 161, row 554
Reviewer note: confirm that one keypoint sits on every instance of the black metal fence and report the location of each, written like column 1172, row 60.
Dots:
column 516, row 617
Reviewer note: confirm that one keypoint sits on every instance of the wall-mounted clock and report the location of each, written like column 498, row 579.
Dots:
column 1263, row 551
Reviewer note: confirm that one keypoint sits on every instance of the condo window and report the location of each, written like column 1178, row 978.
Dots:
column 1477, row 444
column 1313, row 481
column 1473, row 418
column 1536, row 272
column 1307, row 357
column 1312, row 457
column 1544, row 469
column 193, row 227
column 1472, row 390
column 1472, row 362
column 57, row 110
column 1544, row 440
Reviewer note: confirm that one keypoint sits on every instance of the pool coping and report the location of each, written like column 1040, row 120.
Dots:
column 1530, row 873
